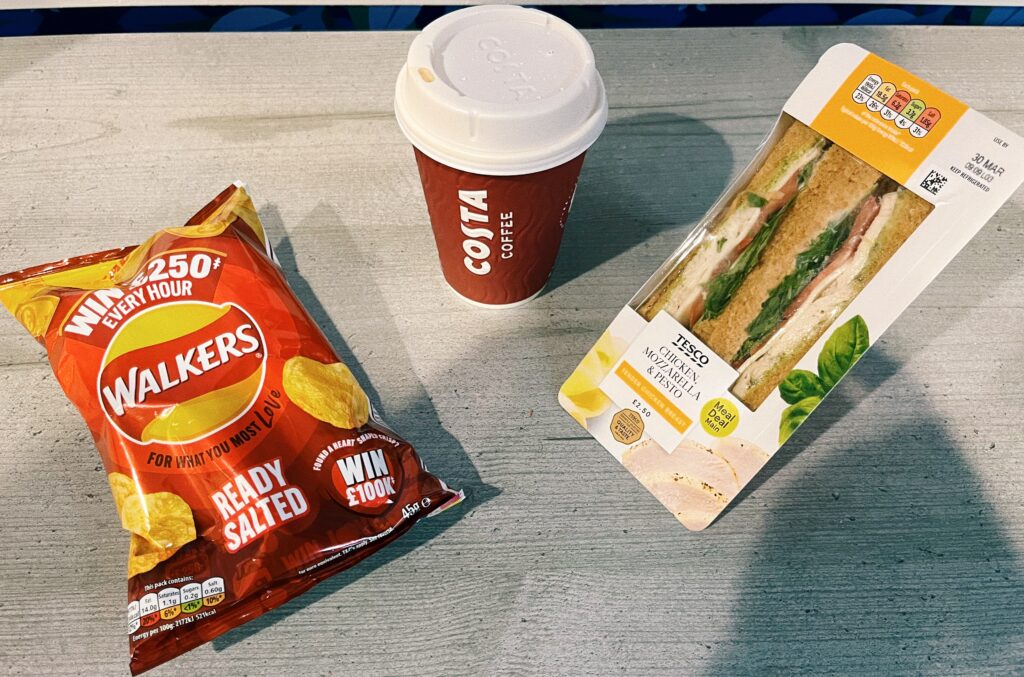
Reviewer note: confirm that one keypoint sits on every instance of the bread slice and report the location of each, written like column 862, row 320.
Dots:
column 763, row 372
column 838, row 186
column 779, row 164
column 787, row 156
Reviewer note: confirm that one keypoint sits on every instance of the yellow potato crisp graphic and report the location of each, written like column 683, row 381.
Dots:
column 327, row 392
column 143, row 555
column 121, row 486
column 36, row 314
column 164, row 519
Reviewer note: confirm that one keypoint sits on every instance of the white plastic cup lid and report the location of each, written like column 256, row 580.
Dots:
column 500, row 90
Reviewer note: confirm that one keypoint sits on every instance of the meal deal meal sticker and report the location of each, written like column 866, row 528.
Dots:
column 663, row 382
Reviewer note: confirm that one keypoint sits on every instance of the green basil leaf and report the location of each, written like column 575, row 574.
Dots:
column 842, row 349
column 794, row 415
column 722, row 288
column 800, row 384
column 808, row 264
column 755, row 200
column 826, row 244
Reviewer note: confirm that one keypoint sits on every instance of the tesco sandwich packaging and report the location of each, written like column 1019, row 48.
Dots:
column 869, row 183
column 246, row 461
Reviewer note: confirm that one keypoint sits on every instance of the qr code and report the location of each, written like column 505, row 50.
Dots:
column 934, row 182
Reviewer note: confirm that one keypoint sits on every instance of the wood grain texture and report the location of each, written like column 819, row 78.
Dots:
column 887, row 537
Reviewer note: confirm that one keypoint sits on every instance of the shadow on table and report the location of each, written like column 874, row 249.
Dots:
column 883, row 558
column 646, row 174
column 870, row 372
column 415, row 418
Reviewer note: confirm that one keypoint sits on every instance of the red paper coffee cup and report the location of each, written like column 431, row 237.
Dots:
column 497, row 236
column 500, row 104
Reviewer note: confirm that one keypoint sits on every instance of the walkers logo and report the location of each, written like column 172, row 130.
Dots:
column 181, row 371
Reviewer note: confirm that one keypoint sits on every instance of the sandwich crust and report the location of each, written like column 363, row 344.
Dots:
column 839, row 183
column 795, row 142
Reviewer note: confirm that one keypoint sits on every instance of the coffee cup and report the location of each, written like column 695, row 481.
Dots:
column 500, row 104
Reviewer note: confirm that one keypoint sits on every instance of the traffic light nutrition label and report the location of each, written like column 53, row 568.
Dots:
column 896, row 105
column 171, row 602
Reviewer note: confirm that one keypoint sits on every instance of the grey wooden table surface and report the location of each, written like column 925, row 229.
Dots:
column 887, row 537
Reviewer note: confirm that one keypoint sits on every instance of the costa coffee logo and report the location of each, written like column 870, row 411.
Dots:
column 504, row 62
column 473, row 210
column 181, row 371
column 475, row 224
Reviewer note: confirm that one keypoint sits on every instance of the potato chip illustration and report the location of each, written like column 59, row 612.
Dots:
column 36, row 314
column 328, row 392
column 164, row 519
column 220, row 223
column 143, row 555
column 210, row 229
column 121, row 486
column 128, row 267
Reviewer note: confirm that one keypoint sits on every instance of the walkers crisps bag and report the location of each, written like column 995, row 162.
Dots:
column 244, row 458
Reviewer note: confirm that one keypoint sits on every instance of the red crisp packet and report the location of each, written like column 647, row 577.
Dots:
column 244, row 458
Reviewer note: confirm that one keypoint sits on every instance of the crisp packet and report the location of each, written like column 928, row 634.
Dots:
column 245, row 460
column 869, row 183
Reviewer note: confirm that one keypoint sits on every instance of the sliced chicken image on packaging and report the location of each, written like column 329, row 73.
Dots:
column 694, row 482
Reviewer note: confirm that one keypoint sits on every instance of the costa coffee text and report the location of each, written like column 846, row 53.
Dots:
column 473, row 210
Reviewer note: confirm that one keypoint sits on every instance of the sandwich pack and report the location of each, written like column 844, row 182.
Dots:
column 867, row 186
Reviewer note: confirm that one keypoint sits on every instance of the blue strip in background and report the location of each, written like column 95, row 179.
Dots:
column 406, row 17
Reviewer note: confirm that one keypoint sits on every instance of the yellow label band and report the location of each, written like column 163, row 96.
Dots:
column 887, row 117
column 642, row 387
